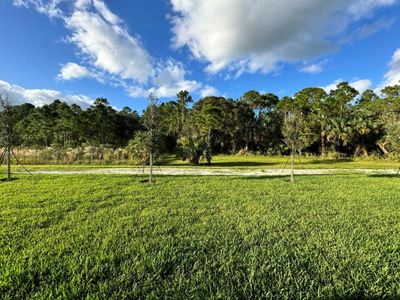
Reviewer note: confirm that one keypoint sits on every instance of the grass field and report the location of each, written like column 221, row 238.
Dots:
column 261, row 161
column 240, row 162
column 109, row 237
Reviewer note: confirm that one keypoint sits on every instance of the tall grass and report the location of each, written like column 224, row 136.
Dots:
column 106, row 156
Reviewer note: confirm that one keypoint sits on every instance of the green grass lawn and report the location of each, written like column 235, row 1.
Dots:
column 109, row 237
column 260, row 161
column 241, row 162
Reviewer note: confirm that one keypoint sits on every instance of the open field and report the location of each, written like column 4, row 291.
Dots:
column 78, row 236
column 238, row 162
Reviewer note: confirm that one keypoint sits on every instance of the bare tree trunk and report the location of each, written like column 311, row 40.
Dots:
column 209, row 147
column 183, row 117
column 292, row 167
column 248, row 137
column 8, row 163
column 151, row 167
column 323, row 146
column 361, row 150
column 364, row 151
column 381, row 146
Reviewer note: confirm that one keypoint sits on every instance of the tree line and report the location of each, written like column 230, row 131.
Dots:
column 341, row 121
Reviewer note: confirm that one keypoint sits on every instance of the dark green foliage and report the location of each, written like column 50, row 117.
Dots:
column 61, row 125
column 8, row 119
column 342, row 123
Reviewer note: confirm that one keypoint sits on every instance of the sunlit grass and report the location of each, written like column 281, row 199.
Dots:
column 238, row 162
column 96, row 236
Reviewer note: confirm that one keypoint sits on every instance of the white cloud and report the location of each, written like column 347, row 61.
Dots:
column 72, row 71
column 250, row 36
column 109, row 53
column 170, row 79
column 312, row 69
column 208, row 91
column 360, row 8
column 361, row 85
column 136, row 91
column 49, row 7
column 40, row 97
column 101, row 36
column 392, row 77
column 330, row 87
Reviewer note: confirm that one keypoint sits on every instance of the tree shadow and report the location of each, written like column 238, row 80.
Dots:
column 12, row 179
column 360, row 295
column 241, row 164
column 328, row 161
column 173, row 162
column 263, row 177
column 384, row 176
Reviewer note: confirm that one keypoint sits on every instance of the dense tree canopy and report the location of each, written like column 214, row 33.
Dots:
column 342, row 121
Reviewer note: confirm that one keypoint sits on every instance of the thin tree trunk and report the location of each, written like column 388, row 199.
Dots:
column 183, row 117
column 8, row 163
column 209, row 147
column 323, row 146
column 151, row 167
column 292, row 167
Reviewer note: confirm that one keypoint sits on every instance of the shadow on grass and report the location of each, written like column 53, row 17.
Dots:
column 360, row 295
column 241, row 164
column 328, row 161
column 170, row 161
column 174, row 163
column 264, row 177
column 384, row 176
column 5, row 179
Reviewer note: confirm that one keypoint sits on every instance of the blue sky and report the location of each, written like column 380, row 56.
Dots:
column 123, row 50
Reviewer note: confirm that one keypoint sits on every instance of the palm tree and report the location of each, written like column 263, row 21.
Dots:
column 183, row 99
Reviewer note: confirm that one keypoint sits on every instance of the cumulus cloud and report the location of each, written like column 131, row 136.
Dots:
column 168, row 80
column 361, row 85
column 392, row 77
column 40, row 97
column 208, row 91
column 250, row 36
column 101, row 36
column 109, row 53
column 72, row 71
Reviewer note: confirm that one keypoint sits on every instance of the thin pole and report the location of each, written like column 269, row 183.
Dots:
column 8, row 163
